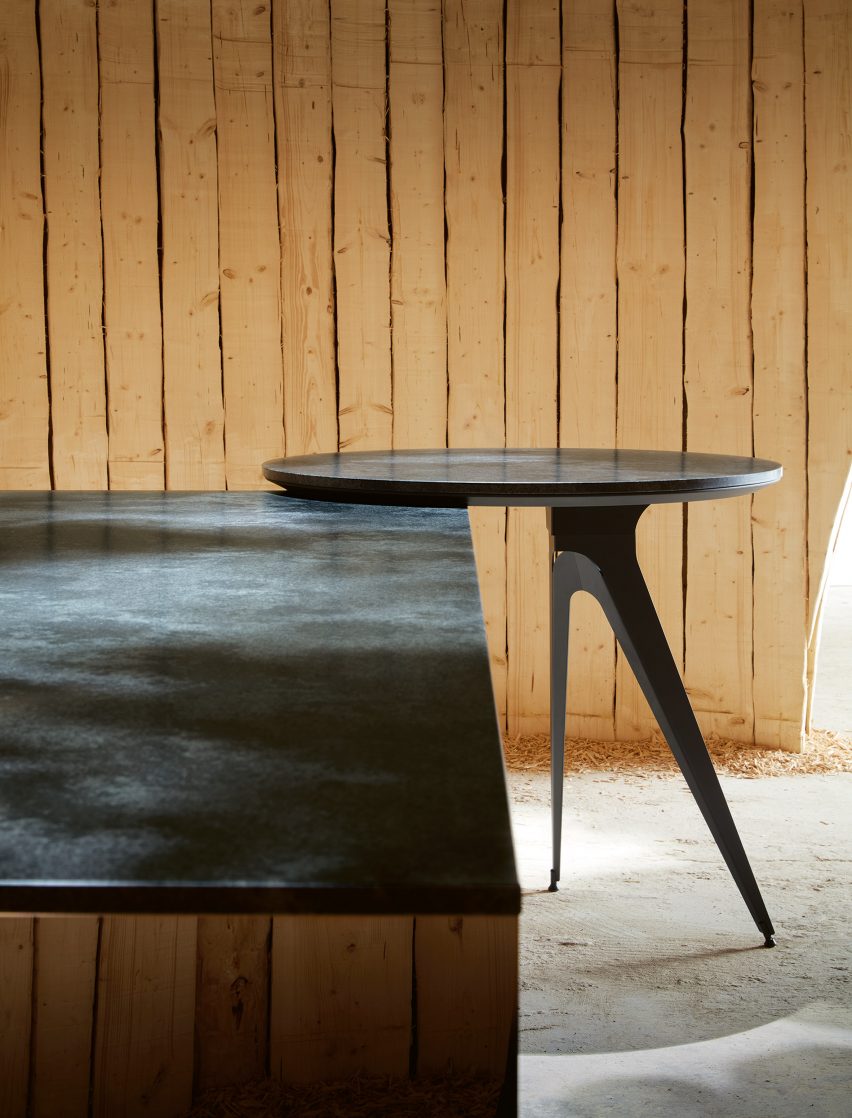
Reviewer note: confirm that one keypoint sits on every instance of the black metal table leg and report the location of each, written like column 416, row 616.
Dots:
column 564, row 582
column 603, row 547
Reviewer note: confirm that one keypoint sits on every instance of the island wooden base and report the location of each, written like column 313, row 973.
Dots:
column 139, row 1014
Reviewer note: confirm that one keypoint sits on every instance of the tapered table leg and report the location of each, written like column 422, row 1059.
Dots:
column 602, row 543
column 564, row 581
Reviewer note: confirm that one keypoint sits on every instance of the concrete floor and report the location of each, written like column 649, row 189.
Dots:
column 645, row 989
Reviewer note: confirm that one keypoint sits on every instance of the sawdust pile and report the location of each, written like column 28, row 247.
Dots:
column 358, row 1097
column 824, row 752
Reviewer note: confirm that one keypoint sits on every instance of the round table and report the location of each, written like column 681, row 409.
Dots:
column 594, row 500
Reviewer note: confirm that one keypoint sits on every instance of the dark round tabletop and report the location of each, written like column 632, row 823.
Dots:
column 519, row 477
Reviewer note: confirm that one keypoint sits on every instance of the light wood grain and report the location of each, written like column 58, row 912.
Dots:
column 64, row 997
column 828, row 130
column 467, row 991
column 473, row 151
column 418, row 281
column 650, row 300
column 527, row 621
column 361, row 233
column 718, row 355
column 341, row 997
column 533, row 74
column 488, row 532
column 145, row 1010
column 16, row 976
column 74, row 278
column 24, row 415
column 134, row 339
column 231, row 1000
column 473, row 143
column 192, row 364
column 588, row 308
column 302, row 67
column 249, row 252
column 778, row 328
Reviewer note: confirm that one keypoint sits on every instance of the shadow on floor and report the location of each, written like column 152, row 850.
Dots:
column 786, row 1069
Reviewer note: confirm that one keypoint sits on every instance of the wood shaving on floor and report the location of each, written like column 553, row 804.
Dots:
column 358, row 1097
column 824, row 752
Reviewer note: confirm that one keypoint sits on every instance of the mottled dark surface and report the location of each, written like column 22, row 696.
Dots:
column 240, row 702
column 534, row 476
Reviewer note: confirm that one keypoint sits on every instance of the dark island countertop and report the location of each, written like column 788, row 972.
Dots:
column 244, row 703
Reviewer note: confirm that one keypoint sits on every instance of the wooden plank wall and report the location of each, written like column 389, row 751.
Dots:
column 132, row 320
column 24, row 407
column 474, row 130
column 779, row 518
column 718, row 359
column 588, row 294
column 650, row 275
column 828, row 218
column 232, row 229
column 73, row 263
column 533, row 76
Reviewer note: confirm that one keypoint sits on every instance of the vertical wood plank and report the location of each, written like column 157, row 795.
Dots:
column 473, row 152
column 248, row 239
column 473, row 123
column 341, row 997
column 533, row 75
column 145, row 1011
column 231, row 1000
column 588, row 308
column 467, row 992
column 361, row 234
column 828, row 130
column 650, row 299
column 192, row 364
column 418, row 282
column 718, row 355
column 16, row 977
column 64, row 986
column 488, row 532
column 778, row 328
column 134, row 339
column 74, row 258
column 301, row 47
column 24, row 420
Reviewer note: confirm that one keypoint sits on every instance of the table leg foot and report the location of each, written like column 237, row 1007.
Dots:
column 553, row 887
column 769, row 932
